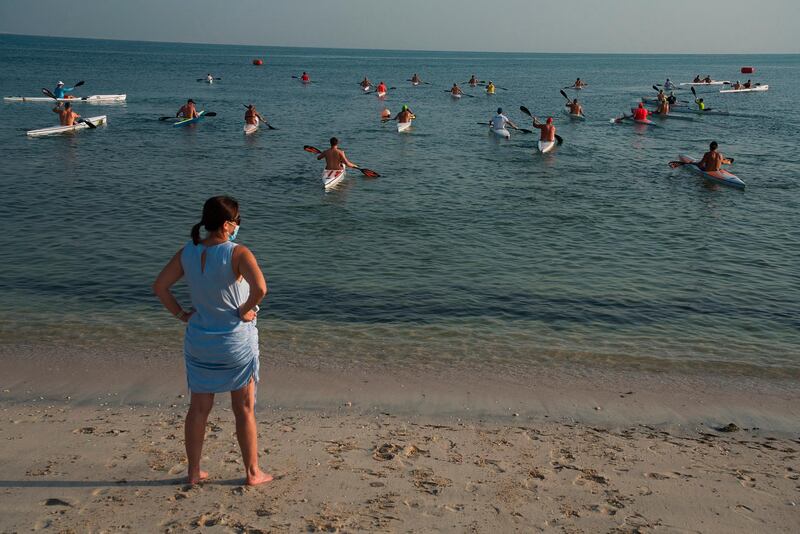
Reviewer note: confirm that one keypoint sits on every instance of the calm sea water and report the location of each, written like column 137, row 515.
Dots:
column 467, row 251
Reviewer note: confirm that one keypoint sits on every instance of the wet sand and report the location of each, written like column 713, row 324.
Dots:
column 99, row 447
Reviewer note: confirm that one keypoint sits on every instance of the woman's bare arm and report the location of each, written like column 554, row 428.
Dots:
column 171, row 273
column 246, row 266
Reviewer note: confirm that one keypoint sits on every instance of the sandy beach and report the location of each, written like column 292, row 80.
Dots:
column 391, row 452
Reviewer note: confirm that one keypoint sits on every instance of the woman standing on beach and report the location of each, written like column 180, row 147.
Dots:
column 221, row 343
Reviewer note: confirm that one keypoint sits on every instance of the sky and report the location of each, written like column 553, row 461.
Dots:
column 599, row 26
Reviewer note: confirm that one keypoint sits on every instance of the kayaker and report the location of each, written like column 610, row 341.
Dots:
column 697, row 79
column 188, row 110
column 415, row 79
column 663, row 107
column 456, row 90
column 707, row 79
column 579, row 83
column 405, row 115
column 490, row 88
column 381, row 88
column 499, row 121
column 713, row 160
column 335, row 158
column 748, row 84
column 386, row 114
column 640, row 113
column 672, row 99
column 574, row 107
column 365, row 82
column 473, row 81
column 66, row 116
column 548, row 130
column 61, row 91
column 668, row 85
column 209, row 78
column 701, row 105
column 305, row 78
column 251, row 116
column 737, row 85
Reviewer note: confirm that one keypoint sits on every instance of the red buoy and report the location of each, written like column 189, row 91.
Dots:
column 748, row 70
column 258, row 62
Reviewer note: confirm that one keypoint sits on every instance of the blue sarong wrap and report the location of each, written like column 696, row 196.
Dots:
column 220, row 350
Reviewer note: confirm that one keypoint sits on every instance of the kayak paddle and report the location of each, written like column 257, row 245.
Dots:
column 369, row 173
column 462, row 93
column 675, row 164
column 527, row 112
column 87, row 123
column 204, row 79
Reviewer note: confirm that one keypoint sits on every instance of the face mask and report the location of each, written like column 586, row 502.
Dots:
column 232, row 236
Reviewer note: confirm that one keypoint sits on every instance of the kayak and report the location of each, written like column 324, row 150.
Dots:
column 751, row 90
column 455, row 95
column 574, row 116
column 715, row 82
column 251, row 128
column 184, row 122
column 721, row 176
column 502, row 132
column 381, row 94
column 365, row 88
column 700, row 111
column 98, row 99
column 668, row 116
column 403, row 126
column 55, row 130
column 546, row 146
column 331, row 178
column 645, row 122
column 415, row 84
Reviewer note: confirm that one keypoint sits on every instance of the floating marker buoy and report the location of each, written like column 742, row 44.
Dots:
column 748, row 70
column 258, row 62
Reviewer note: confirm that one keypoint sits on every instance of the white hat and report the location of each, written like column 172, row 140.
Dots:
column 60, row 83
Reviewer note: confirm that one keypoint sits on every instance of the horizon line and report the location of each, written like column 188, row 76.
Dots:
column 407, row 49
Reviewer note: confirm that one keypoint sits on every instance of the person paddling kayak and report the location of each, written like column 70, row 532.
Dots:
column 473, row 81
column 187, row 111
column 707, row 79
column 490, row 89
column 579, row 84
column 640, row 113
column 66, row 116
column 365, row 82
column 748, row 84
column 697, row 79
column 668, row 85
column 61, row 91
column 305, row 78
column 251, row 116
column 381, row 88
column 548, row 131
column 456, row 90
column 701, row 105
column 672, row 99
column 335, row 158
column 416, row 80
column 405, row 115
column 574, row 107
column 713, row 160
column 386, row 114
column 500, row 120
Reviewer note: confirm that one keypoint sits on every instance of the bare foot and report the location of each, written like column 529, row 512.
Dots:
column 196, row 479
column 259, row 477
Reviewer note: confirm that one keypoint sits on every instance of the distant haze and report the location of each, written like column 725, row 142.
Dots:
column 627, row 26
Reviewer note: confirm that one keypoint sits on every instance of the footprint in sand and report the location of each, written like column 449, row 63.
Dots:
column 660, row 476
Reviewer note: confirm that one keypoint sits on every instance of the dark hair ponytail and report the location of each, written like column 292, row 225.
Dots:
column 216, row 212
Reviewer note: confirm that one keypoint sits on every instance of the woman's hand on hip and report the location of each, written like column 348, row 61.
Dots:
column 247, row 316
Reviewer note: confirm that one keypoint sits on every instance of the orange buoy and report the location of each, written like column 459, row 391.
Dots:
column 748, row 70
column 258, row 62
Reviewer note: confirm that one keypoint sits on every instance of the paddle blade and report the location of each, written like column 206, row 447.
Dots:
column 79, row 83
column 369, row 173
column 313, row 150
column 88, row 123
column 564, row 94
column 271, row 127
column 693, row 91
column 165, row 118
column 559, row 140
column 525, row 111
column 49, row 93
column 524, row 130
column 210, row 114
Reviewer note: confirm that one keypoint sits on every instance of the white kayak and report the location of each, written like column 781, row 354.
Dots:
column 415, row 84
column 698, row 111
column 750, row 90
column 502, row 132
column 365, row 88
column 546, row 146
column 720, row 177
column 55, row 130
column 574, row 116
column 381, row 94
column 403, row 126
column 713, row 82
column 331, row 178
column 251, row 128
column 455, row 95
column 97, row 99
